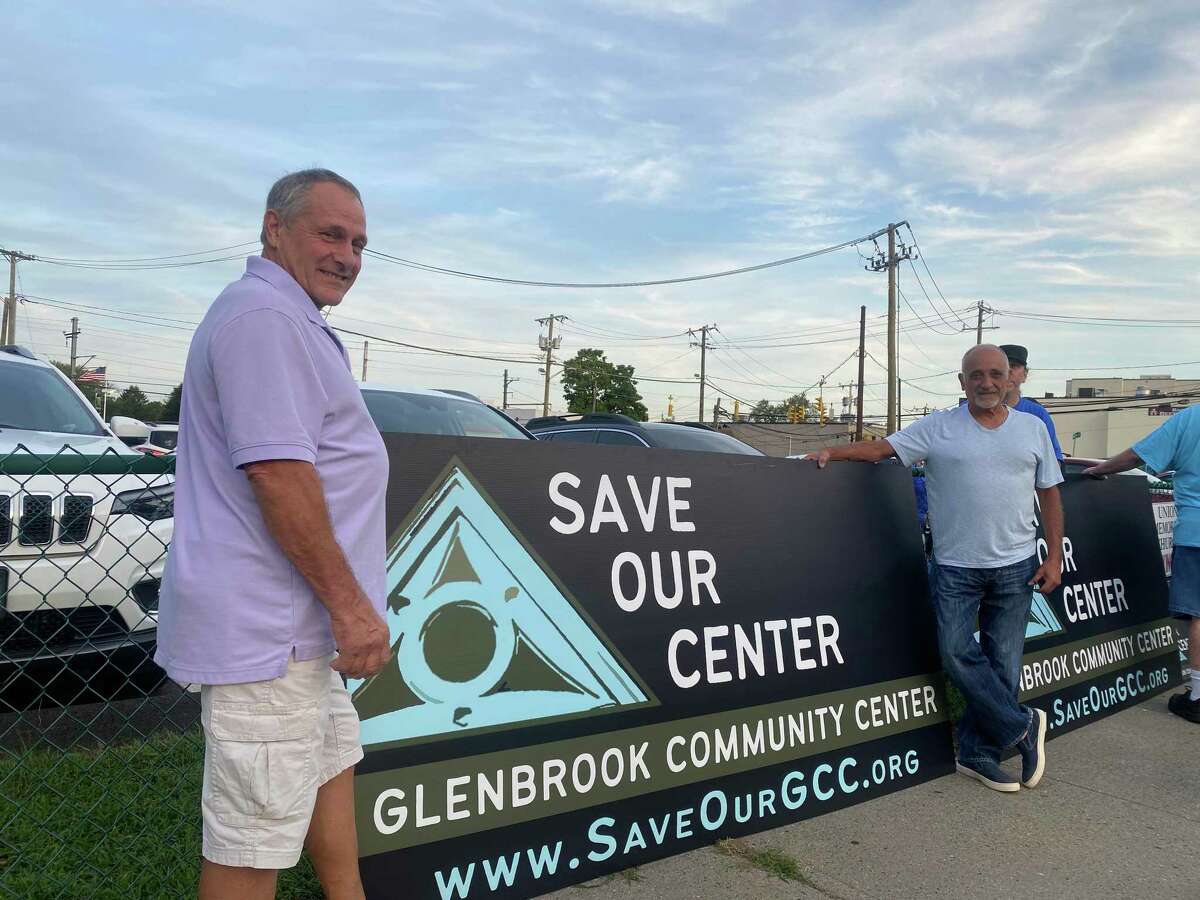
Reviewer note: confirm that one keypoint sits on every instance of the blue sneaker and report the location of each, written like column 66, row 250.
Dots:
column 1033, row 750
column 989, row 774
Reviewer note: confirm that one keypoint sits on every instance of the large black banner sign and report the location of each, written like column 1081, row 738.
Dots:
column 1102, row 641
column 609, row 655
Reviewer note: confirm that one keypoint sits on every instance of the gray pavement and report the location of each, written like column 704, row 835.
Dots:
column 1117, row 816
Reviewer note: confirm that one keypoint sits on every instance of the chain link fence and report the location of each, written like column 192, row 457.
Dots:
column 100, row 754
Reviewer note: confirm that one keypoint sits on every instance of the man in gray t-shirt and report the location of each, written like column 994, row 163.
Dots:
column 984, row 465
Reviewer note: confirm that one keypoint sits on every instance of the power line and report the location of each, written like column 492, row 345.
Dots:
column 140, row 321
column 143, row 259
column 1143, row 367
column 463, row 337
column 398, row 260
column 1100, row 321
column 953, row 329
column 374, row 337
column 575, row 324
column 75, row 304
column 138, row 266
column 933, row 281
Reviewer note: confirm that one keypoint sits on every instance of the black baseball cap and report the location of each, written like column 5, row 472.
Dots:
column 1016, row 354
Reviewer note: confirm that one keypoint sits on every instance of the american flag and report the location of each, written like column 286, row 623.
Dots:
column 100, row 373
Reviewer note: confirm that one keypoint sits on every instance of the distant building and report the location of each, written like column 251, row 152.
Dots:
column 1100, row 417
column 1142, row 386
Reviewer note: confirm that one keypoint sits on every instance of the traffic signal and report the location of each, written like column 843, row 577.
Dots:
column 821, row 411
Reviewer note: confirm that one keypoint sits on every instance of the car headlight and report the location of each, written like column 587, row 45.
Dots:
column 151, row 503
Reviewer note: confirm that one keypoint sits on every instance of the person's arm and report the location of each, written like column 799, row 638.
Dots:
column 860, row 451
column 292, row 501
column 1049, row 574
column 1122, row 462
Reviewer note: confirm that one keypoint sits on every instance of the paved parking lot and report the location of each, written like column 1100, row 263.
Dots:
column 1117, row 816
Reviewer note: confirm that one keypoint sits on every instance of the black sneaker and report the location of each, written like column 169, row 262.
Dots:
column 1185, row 707
column 1033, row 750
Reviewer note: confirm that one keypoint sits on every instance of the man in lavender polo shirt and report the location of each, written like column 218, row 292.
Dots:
column 277, row 560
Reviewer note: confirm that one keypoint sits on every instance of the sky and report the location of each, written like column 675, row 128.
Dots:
column 1044, row 154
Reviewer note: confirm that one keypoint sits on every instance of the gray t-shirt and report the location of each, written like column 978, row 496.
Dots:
column 980, row 483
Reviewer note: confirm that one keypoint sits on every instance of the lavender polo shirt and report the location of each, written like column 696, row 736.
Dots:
column 266, row 378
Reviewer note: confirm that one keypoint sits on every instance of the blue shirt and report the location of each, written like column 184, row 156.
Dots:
column 1175, row 446
column 1036, row 409
column 922, row 498
column 265, row 379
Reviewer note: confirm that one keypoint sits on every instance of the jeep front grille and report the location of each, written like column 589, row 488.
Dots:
column 5, row 519
column 76, row 519
column 36, row 525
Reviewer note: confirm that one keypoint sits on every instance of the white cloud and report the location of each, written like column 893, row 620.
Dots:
column 708, row 11
column 647, row 181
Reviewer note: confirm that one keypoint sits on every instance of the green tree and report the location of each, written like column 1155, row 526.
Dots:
column 170, row 411
column 134, row 403
column 766, row 411
column 593, row 384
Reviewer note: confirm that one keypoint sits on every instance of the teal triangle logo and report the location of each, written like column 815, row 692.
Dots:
column 483, row 636
column 1042, row 620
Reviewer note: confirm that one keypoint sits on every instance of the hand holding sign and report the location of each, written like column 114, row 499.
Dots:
column 821, row 457
column 1048, row 576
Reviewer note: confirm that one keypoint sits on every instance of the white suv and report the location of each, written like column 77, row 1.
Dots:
column 81, row 555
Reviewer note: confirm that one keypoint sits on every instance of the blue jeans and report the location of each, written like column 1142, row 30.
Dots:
column 987, row 671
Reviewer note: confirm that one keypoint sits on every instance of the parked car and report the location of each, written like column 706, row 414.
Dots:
column 445, row 412
column 81, row 556
column 129, row 430
column 613, row 429
column 161, row 441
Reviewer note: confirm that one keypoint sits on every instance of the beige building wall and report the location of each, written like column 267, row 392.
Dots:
column 1102, row 433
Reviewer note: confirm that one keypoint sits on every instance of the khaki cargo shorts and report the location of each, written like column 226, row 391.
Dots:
column 268, row 746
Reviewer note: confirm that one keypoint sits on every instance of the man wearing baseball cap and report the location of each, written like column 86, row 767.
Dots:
column 1018, row 371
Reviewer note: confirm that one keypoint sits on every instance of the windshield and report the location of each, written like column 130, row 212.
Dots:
column 684, row 437
column 165, row 439
column 37, row 399
column 426, row 414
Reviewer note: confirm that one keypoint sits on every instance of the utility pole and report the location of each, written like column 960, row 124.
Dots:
column 703, row 345
column 879, row 263
column 8, row 325
column 549, row 343
column 507, row 382
column 366, row 345
column 72, row 337
column 862, row 352
column 981, row 309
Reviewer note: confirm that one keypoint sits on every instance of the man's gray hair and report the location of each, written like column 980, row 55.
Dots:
column 288, row 194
